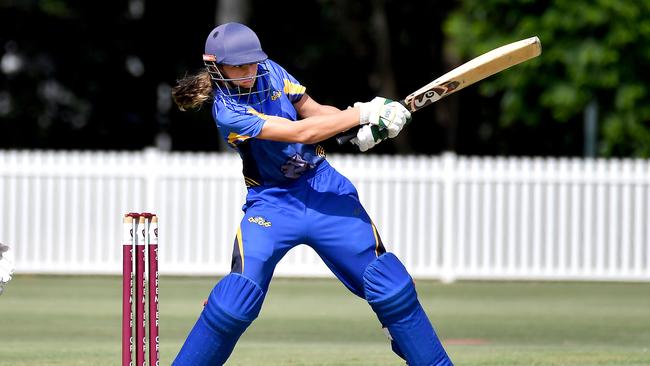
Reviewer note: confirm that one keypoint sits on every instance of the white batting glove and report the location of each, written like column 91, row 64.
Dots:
column 368, row 136
column 366, row 109
column 6, row 266
column 385, row 113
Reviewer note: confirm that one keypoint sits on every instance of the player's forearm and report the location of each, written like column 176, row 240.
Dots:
column 311, row 129
column 328, row 109
column 307, row 107
column 319, row 128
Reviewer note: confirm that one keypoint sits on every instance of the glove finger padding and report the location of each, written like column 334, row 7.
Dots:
column 368, row 136
column 369, row 111
column 378, row 134
column 393, row 117
column 385, row 113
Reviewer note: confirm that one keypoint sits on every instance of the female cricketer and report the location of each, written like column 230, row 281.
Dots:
column 295, row 197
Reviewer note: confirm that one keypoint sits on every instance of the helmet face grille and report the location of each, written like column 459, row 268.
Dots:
column 232, row 93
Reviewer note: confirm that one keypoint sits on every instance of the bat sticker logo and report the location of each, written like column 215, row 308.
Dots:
column 451, row 86
column 427, row 98
column 435, row 94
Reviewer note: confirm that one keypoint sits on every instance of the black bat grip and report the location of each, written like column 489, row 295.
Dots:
column 348, row 135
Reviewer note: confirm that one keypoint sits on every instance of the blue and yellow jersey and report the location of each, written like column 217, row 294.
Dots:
column 266, row 163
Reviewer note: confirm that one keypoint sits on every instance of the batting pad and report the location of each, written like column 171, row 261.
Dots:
column 391, row 293
column 232, row 306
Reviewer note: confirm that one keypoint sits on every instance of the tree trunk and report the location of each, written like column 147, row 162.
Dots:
column 383, row 78
column 232, row 11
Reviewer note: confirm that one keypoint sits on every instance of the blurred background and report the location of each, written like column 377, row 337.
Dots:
column 87, row 75
column 520, row 204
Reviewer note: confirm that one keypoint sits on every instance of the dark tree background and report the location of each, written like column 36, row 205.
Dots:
column 97, row 75
column 595, row 60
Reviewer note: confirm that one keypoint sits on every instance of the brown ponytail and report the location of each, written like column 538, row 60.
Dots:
column 192, row 91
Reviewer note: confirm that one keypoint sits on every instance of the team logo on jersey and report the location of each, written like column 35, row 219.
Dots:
column 320, row 151
column 259, row 220
column 276, row 95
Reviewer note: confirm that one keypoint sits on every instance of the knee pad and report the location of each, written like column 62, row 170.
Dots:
column 233, row 304
column 389, row 289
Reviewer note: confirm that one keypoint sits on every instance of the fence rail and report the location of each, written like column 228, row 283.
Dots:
column 446, row 217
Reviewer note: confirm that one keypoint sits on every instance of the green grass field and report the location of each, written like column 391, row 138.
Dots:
column 50, row 320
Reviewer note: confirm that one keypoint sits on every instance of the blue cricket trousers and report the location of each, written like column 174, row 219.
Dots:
column 320, row 209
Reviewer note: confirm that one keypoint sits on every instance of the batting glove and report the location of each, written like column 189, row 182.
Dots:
column 384, row 113
column 368, row 136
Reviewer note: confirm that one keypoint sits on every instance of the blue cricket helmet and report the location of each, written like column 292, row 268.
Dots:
column 233, row 44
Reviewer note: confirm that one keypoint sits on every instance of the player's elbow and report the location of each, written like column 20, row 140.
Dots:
column 311, row 138
column 307, row 135
column 302, row 131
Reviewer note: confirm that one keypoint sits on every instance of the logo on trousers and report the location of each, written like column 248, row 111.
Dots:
column 260, row 221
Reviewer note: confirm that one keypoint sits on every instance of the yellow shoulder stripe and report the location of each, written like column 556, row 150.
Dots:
column 291, row 88
column 256, row 113
column 235, row 139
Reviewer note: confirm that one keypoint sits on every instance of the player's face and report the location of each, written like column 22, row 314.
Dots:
column 245, row 72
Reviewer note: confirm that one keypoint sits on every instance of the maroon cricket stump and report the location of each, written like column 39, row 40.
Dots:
column 127, row 314
column 154, row 315
column 139, row 252
column 127, row 290
column 140, row 296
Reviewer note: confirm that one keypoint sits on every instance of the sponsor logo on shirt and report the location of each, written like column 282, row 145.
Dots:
column 295, row 167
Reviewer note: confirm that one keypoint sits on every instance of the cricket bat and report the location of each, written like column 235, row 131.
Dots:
column 466, row 74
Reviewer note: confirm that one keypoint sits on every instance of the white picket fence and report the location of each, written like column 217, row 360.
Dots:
column 446, row 217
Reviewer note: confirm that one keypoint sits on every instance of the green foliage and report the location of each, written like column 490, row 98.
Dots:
column 592, row 51
column 55, row 8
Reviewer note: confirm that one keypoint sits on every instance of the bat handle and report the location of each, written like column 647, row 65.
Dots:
column 348, row 135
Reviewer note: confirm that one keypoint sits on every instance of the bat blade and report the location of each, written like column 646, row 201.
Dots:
column 466, row 74
column 474, row 70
